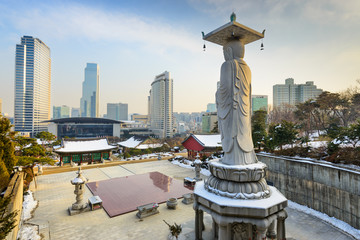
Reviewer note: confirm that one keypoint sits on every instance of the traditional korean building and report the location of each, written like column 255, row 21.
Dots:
column 204, row 145
column 84, row 150
column 139, row 143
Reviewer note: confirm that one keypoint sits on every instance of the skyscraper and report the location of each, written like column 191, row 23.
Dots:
column 290, row 93
column 259, row 102
column 161, row 105
column 32, row 86
column 75, row 112
column 61, row 112
column 89, row 103
column 117, row 111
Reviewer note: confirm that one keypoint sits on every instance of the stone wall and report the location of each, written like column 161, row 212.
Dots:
column 324, row 187
column 15, row 189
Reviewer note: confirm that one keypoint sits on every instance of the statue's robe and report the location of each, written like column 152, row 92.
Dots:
column 233, row 101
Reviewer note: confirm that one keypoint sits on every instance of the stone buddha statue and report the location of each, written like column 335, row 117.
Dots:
column 233, row 101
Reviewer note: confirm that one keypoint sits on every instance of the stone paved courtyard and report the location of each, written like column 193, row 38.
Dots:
column 55, row 194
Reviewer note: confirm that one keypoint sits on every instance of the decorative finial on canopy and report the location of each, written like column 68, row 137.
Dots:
column 233, row 17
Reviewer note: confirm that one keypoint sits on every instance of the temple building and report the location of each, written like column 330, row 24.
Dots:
column 84, row 150
column 204, row 145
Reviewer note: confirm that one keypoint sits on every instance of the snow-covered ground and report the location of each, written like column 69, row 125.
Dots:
column 187, row 164
column 151, row 155
column 29, row 205
column 28, row 231
column 331, row 220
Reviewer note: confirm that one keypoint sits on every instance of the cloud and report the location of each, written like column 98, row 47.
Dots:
column 318, row 12
column 80, row 22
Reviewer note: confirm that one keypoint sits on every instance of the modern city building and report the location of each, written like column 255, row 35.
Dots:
column 290, row 93
column 117, row 111
column 259, row 102
column 140, row 118
column 89, row 103
column 161, row 105
column 75, row 112
column 32, row 86
column 211, row 107
column 209, row 121
column 61, row 112
column 84, row 127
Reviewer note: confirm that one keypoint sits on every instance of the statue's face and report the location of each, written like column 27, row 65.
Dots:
column 233, row 49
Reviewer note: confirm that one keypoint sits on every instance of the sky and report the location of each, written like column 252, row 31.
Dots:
column 133, row 41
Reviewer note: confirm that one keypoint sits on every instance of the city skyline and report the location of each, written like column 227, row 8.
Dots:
column 307, row 41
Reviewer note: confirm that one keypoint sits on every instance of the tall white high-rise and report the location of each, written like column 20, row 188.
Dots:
column 89, row 103
column 32, row 86
column 161, row 105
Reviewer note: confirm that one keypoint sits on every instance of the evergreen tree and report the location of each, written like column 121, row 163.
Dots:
column 351, row 134
column 258, row 123
column 284, row 133
column 7, row 220
column 216, row 128
column 6, row 145
column 46, row 137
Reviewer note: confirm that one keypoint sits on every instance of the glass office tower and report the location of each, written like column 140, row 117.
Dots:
column 32, row 86
column 117, row 111
column 89, row 103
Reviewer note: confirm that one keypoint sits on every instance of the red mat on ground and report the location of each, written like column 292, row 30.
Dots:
column 125, row 194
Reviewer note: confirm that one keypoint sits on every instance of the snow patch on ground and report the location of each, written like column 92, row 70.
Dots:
column 187, row 164
column 29, row 205
column 331, row 220
column 28, row 231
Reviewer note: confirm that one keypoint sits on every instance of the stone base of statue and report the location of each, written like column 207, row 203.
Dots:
column 240, row 202
column 73, row 211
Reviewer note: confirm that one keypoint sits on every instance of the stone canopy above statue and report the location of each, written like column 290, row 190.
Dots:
column 233, row 30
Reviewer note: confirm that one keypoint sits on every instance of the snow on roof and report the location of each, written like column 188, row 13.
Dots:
column 84, row 146
column 130, row 143
column 209, row 140
column 151, row 145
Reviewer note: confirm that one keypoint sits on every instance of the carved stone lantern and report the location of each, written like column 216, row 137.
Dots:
column 197, row 164
column 80, row 205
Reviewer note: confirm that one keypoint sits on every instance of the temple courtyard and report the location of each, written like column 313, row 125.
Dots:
column 55, row 194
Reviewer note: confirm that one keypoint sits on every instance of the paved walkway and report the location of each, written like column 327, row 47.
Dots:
column 55, row 194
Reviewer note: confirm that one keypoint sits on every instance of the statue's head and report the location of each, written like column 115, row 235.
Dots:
column 233, row 49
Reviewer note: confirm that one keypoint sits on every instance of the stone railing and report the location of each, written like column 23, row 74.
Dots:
column 324, row 187
column 15, row 189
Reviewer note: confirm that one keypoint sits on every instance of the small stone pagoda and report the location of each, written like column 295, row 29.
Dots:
column 236, row 195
